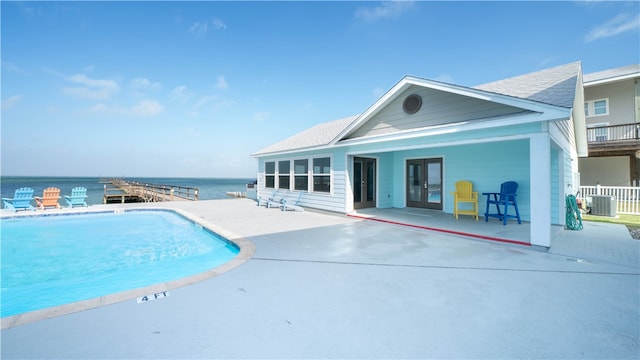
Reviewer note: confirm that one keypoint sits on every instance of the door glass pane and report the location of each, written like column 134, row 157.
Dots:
column 434, row 194
column 415, row 182
column 371, row 177
column 357, row 181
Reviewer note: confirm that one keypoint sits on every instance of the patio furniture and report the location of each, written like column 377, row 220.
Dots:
column 49, row 198
column 464, row 194
column 292, row 203
column 265, row 200
column 505, row 198
column 77, row 197
column 21, row 200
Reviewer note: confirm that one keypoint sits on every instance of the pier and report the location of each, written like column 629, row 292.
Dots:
column 124, row 191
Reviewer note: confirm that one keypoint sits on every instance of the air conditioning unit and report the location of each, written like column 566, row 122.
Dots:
column 604, row 205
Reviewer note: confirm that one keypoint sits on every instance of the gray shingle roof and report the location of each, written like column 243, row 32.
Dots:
column 554, row 86
column 319, row 135
column 612, row 73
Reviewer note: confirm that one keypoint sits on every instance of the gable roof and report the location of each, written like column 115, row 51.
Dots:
column 612, row 75
column 554, row 86
column 549, row 88
column 318, row 135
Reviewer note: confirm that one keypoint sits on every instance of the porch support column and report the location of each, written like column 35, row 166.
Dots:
column 540, row 180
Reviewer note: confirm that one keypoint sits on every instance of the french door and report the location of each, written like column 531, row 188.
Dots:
column 364, row 183
column 424, row 183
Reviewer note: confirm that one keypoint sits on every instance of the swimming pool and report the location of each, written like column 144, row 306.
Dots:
column 54, row 260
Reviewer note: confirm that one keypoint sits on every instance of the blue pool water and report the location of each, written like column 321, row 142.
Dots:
column 53, row 260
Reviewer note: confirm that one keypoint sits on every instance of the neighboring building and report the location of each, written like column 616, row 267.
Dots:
column 612, row 109
column 410, row 147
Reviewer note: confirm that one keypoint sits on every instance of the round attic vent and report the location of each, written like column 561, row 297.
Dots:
column 412, row 104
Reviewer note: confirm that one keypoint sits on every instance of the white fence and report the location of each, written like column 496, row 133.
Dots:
column 627, row 197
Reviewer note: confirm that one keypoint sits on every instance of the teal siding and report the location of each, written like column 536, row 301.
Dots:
column 386, row 180
column 485, row 165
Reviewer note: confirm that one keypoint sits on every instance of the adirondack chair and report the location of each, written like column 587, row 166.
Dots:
column 464, row 194
column 77, row 197
column 292, row 203
column 506, row 197
column 21, row 200
column 49, row 198
column 266, row 200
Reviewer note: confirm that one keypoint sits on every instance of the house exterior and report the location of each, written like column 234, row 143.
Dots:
column 410, row 147
column 612, row 110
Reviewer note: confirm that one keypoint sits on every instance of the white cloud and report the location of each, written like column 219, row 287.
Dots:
column 143, row 108
column 180, row 94
column 386, row 10
column 147, row 108
column 222, row 83
column 202, row 28
column 90, row 88
column 140, row 85
column 199, row 29
column 10, row 102
column 260, row 116
column 12, row 68
column 618, row 25
column 218, row 24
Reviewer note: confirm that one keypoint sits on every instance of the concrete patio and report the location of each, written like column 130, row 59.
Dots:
column 330, row 286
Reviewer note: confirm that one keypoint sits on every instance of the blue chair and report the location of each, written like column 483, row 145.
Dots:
column 292, row 204
column 505, row 198
column 21, row 200
column 77, row 197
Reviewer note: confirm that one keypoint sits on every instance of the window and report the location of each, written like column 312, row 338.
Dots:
column 322, row 174
column 598, row 132
column 270, row 174
column 598, row 107
column 301, row 174
column 284, row 168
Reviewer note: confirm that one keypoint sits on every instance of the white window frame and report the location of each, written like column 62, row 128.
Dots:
column 590, row 107
column 281, row 174
column 307, row 175
column 266, row 174
column 314, row 174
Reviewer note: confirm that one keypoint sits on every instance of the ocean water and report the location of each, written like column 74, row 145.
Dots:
column 209, row 188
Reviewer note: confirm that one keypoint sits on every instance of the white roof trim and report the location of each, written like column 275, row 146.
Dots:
column 611, row 79
column 457, row 127
column 408, row 81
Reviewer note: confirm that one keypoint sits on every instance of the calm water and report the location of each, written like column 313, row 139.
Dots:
column 53, row 260
column 214, row 188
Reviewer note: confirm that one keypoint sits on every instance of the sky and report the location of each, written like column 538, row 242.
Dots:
column 192, row 89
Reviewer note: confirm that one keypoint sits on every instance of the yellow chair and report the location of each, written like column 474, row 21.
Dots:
column 464, row 194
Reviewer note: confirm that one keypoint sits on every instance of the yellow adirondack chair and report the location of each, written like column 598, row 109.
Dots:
column 49, row 198
column 464, row 194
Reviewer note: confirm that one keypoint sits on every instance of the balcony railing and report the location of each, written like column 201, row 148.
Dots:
column 613, row 133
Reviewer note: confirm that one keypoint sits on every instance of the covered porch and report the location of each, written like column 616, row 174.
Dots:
column 467, row 226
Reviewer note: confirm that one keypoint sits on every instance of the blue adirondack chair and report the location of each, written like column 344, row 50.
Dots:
column 505, row 198
column 292, row 204
column 77, row 197
column 21, row 200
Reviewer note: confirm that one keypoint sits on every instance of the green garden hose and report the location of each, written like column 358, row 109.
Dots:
column 574, row 218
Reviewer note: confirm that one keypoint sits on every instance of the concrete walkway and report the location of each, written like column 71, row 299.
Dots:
column 328, row 286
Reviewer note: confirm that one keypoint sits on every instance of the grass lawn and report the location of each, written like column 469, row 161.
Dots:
column 623, row 219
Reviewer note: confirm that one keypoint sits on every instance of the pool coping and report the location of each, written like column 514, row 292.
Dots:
column 246, row 251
